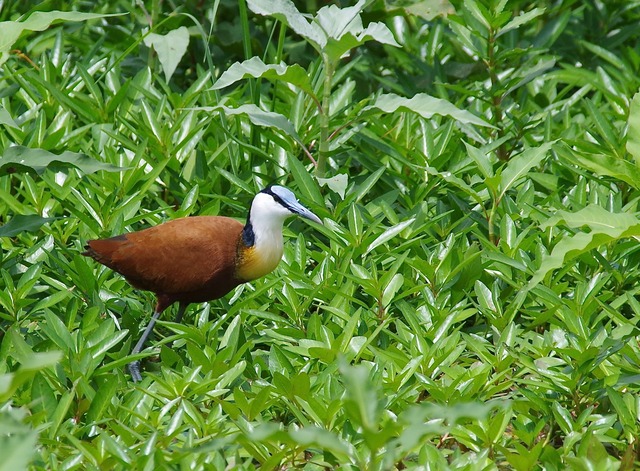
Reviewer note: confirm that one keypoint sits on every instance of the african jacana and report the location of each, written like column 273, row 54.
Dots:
column 201, row 258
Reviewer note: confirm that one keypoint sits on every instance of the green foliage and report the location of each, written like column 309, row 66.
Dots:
column 470, row 303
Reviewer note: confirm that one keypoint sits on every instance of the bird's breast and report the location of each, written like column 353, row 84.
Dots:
column 258, row 260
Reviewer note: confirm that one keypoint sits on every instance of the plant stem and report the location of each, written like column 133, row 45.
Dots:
column 491, row 221
column 323, row 147
column 496, row 99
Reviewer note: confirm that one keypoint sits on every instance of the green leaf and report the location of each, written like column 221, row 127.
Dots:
column 38, row 21
column 604, row 227
column 24, row 159
column 6, row 119
column 520, row 165
column 29, row 366
column 259, row 117
column 337, row 183
column 304, row 180
column 344, row 30
column 326, row 440
column 286, row 11
column 520, row 20
column 604, row 164
column 426, row 106
column 361, row 396
column 389, row 234
column 170, row 47
column 392, row 288
column 485, row 297
column 333, row 30
column 23, row 223
column 254, row 67
column 428, row 9
column 633, row 133
column 18, row 443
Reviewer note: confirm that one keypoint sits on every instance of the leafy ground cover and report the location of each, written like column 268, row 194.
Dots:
column 470, row 303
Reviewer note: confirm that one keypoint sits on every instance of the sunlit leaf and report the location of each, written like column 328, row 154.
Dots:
column 427, row 9
column 260, row 117
column 6, row 119
column 170, row 47
column 426, row 106
column 603, row 226
column 286, row 11
column 18, row 442
column 38, row 21
column 254, row 67
column 521, row 19
column 337, row 183
column 389, row 234
column 604, row 164
column 18, row 159
column 519, row 165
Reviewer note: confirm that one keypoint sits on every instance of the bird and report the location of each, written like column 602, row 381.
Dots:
column 200, row 258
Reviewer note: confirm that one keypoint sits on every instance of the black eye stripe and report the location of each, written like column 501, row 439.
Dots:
column 277, row 198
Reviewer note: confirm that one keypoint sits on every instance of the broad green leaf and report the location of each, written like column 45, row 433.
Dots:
column 605, row 164
column 19, row 159
column 38, row 21
column 633, row 133
column 479, row 14
column 364, row 188
column 325, row 439
column 304, row 180
column 333, row 30
column 18, row 443
column 254, row 67
column 389, row 234
column 604, row 227
column 485, row 297
column 6, row 119
column 170, row 47
column 260, row 117
column 392, row 288
column 61, row 411
column 362, row 397
column 482, row 160
column 344, row 30
column 520, row 20
column 337, row 183
column 23, row 223
column 427, row 9
column 336, row 22
column 605, row 54
column 595, row 218
column 520, row 165
column 455, row 181
column 426, row 106
column 286, row 11
column 30, row 365
column 338, row 47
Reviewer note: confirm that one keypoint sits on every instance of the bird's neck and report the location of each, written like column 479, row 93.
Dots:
column 260, row 247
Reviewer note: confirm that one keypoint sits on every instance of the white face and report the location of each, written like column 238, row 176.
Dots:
column 266, row 210
column 271, row 207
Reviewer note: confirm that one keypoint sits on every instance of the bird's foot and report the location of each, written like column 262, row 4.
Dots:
column 134, row 369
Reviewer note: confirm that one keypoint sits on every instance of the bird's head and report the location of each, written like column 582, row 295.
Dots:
column 277, row 203
column 261, row 249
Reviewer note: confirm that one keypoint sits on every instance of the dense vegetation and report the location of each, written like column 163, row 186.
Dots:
column 471, row 301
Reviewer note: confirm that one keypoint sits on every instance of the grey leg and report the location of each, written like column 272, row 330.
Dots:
column 134, row 367
column 181, row 308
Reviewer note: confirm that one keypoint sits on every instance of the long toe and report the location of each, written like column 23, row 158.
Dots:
column 134, row 369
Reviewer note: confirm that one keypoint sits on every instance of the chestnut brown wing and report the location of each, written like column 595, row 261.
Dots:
column 187, row 255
